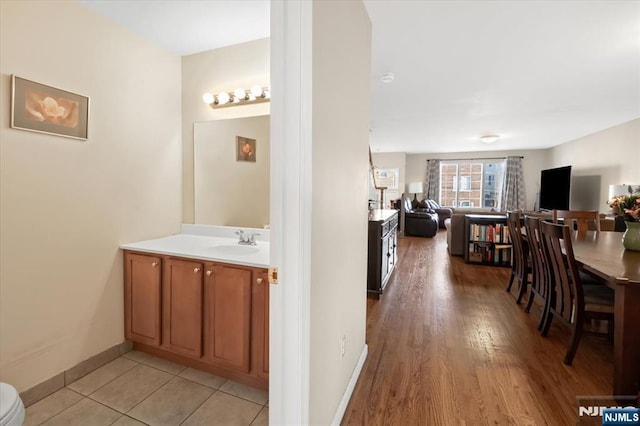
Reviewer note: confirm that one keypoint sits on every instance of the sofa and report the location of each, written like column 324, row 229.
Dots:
column 444, row 213
column 420, row 222
column 455, row 228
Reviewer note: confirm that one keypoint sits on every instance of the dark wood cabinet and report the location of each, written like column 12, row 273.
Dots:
column 182, row 307
column 228, row 316
column 142, row 289
column 382, row 249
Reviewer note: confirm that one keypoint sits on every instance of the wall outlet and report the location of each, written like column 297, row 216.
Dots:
column 343, row 346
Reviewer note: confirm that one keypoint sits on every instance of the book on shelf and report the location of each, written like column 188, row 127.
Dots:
column 489, row 233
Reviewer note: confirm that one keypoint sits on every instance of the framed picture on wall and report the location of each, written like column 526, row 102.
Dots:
column 40, row 108
column 245, row 149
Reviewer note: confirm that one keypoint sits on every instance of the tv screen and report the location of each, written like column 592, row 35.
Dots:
column 555, row 185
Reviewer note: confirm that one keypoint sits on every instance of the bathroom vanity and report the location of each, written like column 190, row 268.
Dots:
column 202, row 301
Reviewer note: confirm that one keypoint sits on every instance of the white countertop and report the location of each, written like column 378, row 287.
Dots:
column 215, row 246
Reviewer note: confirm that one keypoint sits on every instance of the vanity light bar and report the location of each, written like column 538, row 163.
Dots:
column 239, row 96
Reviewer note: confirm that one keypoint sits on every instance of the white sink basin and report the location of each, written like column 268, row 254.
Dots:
column 233, row 250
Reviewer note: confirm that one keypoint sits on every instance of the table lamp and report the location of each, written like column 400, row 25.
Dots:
column 616, row 190
column 415, row 187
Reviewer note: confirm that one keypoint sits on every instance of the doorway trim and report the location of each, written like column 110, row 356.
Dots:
column 290, row 211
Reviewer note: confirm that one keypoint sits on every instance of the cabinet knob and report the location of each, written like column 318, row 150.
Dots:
column 209, row 273
column 154, row 264
column 196, row 270
column 259, row 280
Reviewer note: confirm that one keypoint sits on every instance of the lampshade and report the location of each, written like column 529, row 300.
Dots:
column 615, row 190
column 415, row 188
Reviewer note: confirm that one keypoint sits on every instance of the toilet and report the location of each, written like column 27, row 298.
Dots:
column 11, row 406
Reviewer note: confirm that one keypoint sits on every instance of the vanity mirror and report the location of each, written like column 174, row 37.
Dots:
column 231, row 172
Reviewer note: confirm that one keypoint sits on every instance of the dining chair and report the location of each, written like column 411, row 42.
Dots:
column 582, row 220
column 569, row 299
column 540, row 282
column 520, row 265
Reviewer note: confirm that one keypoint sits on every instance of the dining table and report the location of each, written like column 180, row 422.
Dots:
column 603, row 255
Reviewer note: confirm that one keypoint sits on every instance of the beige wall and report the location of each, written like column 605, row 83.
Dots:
column 67, row 204
column 218, row 70
column 613, row 154
column 230, row 192
column 533, row 162
column 341, row 57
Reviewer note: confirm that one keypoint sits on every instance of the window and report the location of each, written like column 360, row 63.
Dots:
column 471, row 183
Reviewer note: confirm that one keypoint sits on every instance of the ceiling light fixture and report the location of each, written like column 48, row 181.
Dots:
column 387, row 77
column 239, row 96
column 489, row 138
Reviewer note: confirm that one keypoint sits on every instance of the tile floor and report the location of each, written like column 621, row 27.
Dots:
column 140, row 389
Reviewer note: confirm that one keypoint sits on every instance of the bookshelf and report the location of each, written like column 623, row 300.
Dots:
column 487, row 240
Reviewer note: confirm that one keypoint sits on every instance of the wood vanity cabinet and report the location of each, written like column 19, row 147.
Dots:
column 211, row 316
column 182, row 307
column 260, row 323
column 142, row 289
column 227, row 313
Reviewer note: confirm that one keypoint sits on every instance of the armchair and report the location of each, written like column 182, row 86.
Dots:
column 419, row 222
column 444, row 213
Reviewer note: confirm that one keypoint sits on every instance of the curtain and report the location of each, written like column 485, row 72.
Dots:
column 432, row 181
column 513, row 185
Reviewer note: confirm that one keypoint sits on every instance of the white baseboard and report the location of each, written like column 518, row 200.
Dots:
column 350, row 386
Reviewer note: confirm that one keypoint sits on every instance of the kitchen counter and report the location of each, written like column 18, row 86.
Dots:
column 209, row 243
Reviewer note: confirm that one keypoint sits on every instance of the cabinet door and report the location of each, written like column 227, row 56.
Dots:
column 384, row 264
column 142, row 289
column 393, row 248
column 182, row 307
column 260, row 323
column 228, row 316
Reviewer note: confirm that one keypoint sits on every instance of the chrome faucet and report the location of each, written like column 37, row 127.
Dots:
column 248, row 239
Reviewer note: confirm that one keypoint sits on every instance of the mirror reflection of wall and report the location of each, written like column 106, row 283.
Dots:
column 231, row 189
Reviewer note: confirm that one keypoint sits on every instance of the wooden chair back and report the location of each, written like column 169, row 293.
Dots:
column 567, row 295
column 586, row 220
column 541, row 280
column 563, row 272
column 519, row 266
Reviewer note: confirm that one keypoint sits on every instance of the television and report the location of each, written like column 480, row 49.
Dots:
column 555, row 188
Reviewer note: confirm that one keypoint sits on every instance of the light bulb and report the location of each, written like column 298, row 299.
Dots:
column 208, row 98
column 256, row 91
column 240, row 94
column 223, row 98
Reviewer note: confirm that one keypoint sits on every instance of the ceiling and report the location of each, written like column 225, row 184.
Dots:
column 188, row 26
column 537, row 73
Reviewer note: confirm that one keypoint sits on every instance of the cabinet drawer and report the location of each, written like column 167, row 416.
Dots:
column 385, row 228
column 393, row 222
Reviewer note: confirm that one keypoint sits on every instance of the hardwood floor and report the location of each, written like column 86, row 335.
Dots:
column 448, row 345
